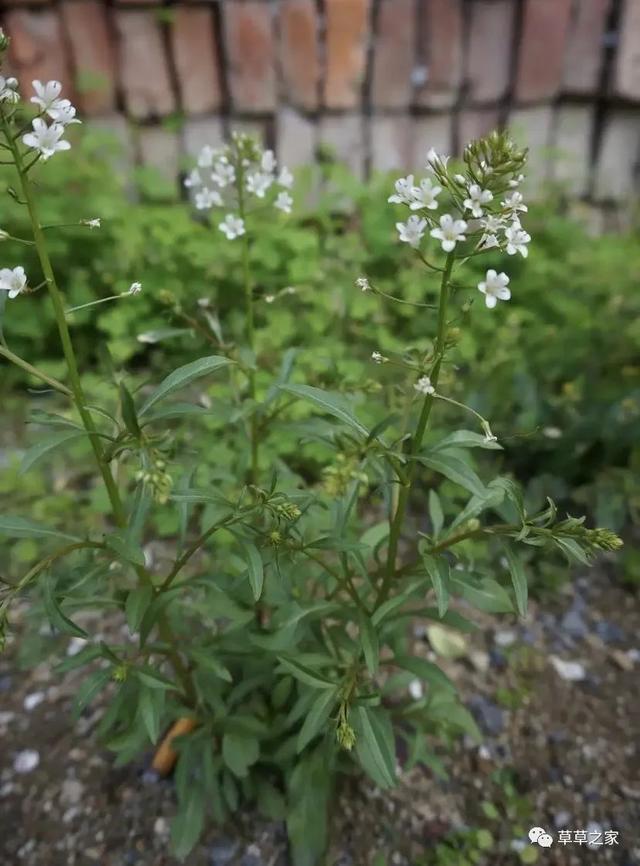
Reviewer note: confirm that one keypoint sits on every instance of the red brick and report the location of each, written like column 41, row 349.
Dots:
column 627, row 77
column 490, row 40
column 251, row 55
column 143, row 65
column 37, row 49
column 92, row 54
column 196, row 61
column 299, row 58
column 440, row 40
column 544, row 40
column 583, row 57
column 347, row 25
column 394, row 54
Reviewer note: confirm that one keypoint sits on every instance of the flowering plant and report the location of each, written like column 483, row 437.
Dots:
column 271, row 639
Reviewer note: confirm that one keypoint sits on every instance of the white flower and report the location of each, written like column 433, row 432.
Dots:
column 477, row 198
column 450, row 232
column 515, row 203
column 8, row 90
column 26, row 761
column 491, row 224
column 193, row 179
column 412, row 231
column 415, row 690
column 206, row 156
column 135, row 289
column 460, row 179
column 269, row 299
column 63, row 113
column 258, row 183
column 517, row 239
column 516, row 181
column 283, row 202
column 488, row 242
column 47, row 95
column 425, row 195
column 285, row 178
column 424, row 386
column 223, row 173
column 13, row 281
column 207, row 198
column 403, row 191
column 494, row 288
column 92, row 224
column 268, row 162
column 436, row 159
column 363, row 284
column 46, row 139
column 232, row 227
column 378, row 358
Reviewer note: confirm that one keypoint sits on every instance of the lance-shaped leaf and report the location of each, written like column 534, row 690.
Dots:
column 51, row 443
column 329, row 402
column 256, row 569
column 182, row 377
column 375, row 745
column 519, row 580
column 20, row 527
column 316, row 718
column 438, row 570
column 305, row 674
column 455, row 470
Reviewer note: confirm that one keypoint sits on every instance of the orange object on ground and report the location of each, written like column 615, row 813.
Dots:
column 166, row 756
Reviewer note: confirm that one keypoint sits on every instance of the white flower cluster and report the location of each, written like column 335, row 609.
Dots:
column 46, row 138
column 13, row 281
column 220, row 171
column 474, row 215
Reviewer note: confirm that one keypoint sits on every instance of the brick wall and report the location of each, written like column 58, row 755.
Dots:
column 378, row 80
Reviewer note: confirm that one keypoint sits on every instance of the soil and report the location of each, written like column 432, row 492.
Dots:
column 559, row 754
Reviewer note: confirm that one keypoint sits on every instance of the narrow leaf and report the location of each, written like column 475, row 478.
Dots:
column 519, row 580
column 438, row 571
column 333, row 404
column 182, row 377
column 305, row 674
column 256, row 570
column 455, row 470
column 316, row 718
column 20, row 527
column 375, row 745
column 41, row 449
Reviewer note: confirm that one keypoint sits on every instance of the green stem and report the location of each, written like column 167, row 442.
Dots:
column 416, row 440
column 29, row 368
column 119, row 512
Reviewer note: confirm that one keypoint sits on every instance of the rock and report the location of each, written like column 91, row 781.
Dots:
column 609, row 632
column 573, row 623
column 71, row 792
column 223, row 851
column 5, row 683
column 26, row 761
column 415, row 690
column 480, row 660
column 573, row 672
column 504, row 638
column 498, row 660
column 31, row 701
column 623, row 660
column 562, row 819
column 161, row 827
column 488, row 715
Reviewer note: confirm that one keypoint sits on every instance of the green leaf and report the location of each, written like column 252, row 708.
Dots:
column 316, row 718
column 369, row 642
column 124, row 548
column 56, row 440
column 149, row 707
column 89, row 688
column 519, row 580
column 308, row 795
column 466, row 439
column 136, row 605
column 182, row 377
column 435, row 513
column 188, row 823
column 304, row 674
column 239, row 752
column 455, row 470
column 487, row 595
column 153, row 679
column 438, row 570
column 206, row 659
column 128, row 409
column 375, row 745
column 20, row 527
column 256, row 570
column 53, row 610
column 333, row 404
column 425, row 670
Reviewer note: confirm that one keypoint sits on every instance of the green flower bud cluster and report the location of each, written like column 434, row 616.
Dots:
column 338, row 476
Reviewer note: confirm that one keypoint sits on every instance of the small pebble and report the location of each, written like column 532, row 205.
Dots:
column 26, row 761
column 31, row 701
column 573, row 672
column 504, row 638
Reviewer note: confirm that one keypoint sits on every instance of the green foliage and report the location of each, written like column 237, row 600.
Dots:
column 280, row 479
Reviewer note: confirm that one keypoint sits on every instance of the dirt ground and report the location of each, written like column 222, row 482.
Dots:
column 560, row 753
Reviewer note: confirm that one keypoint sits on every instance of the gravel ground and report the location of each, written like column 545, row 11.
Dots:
column 556, row 697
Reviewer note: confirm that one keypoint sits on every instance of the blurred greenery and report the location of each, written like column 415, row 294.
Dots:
column 557, row 370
